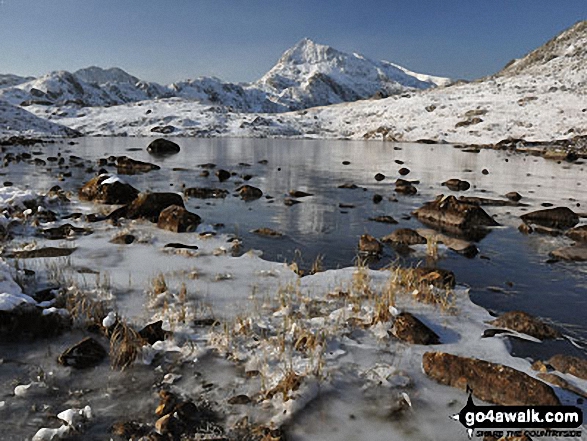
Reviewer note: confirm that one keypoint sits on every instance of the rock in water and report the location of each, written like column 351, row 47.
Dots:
column 178, row 219
column 148, row 206
column 205, row 193
column 456, row 185
column 491, row 382
column 578, row 233
column 520, row 321
column 163, row 147
column 86, row 354
column 369, row 245
column 404, row 236
column 129, row 166
column 249, row 193
column 410, row 329
column 559, row 217
column 450, row 213
column 108, row 190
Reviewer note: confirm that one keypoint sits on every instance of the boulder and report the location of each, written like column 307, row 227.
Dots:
column 177, row 219
column 108, row 189
column 447, row 212
column 404, row 236
column 456, row 185
column 162, row 146
column 405, row 187
column 222, row 175
column 513, row 196
column 205, row 193
column 520, row 321
column 147, row 206
column 560, row 217
column 410, row 329
column 568, row 364
column 249, row 193
column 129, row 166
column 379, row 177
column 578, row 234
column 490, row 382
column 369, row 245
column 85, row 354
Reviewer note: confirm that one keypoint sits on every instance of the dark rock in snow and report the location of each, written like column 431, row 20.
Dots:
column 410, row 329
column 177, row 219
column 86, row 354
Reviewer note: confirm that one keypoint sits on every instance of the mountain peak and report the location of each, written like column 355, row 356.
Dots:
column 98, row 75
column 308, row 51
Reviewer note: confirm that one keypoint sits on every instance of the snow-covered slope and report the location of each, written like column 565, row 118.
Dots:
column 9, row 80
column 17, row 121
column 311, row 74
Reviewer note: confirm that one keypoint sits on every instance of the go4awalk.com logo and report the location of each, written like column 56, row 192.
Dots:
column 536, row 421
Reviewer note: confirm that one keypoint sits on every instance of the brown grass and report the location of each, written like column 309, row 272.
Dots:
column 125, row 345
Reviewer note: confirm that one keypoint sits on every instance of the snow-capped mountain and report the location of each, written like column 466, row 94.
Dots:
column 307, row 75
column 311, row 74
column 15, row 120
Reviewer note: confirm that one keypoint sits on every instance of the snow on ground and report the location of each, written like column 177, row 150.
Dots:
column 17, row 121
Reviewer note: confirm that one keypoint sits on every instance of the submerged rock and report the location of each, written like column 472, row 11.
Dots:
column 404, row 236
column 491, row 382
column 403, row 186
column 267, row 232
column 206, row 193
column 410, row 329
column 108, row 190
column 162, row 146
column 383, row 219
column 178, row 219
column 129, row 166
column 578, row 233
column 560, row 217
column 299, row 194
column 573, row 253
column 520, row 321
column 464, row 247
column 85, row 354
column 222, row 175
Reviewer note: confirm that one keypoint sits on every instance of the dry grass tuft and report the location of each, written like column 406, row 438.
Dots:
column 289, row 383
column 125, row 346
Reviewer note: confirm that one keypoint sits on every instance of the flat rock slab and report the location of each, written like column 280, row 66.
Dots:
column 573, row 254
column 520, row 321
column 490, row 382
column 560, row 217
column 40, row 252
column 129, row 166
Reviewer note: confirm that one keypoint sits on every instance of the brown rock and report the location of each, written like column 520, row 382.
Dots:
column 249, row 193
column 526, row 324
column 578, row 233
column 178, row 219
column 569, row 365
column 115, row 192
column 123, row 239
column 457, row 185
column 147, row 206
column 559, row 217
column 410, row 329
column 86, row 354
column 405, row 187
column 369, row 245
column 404, row 236
column 379, row 177
column 513, row 196
column 491, row 382
column 267, row 232
column 555, row 380
column 450, row 213
column 404, row 171
column 437, row 277
column 573, row 254
column 129, row 166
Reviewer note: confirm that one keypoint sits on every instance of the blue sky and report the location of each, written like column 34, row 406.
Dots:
column 239, row 40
